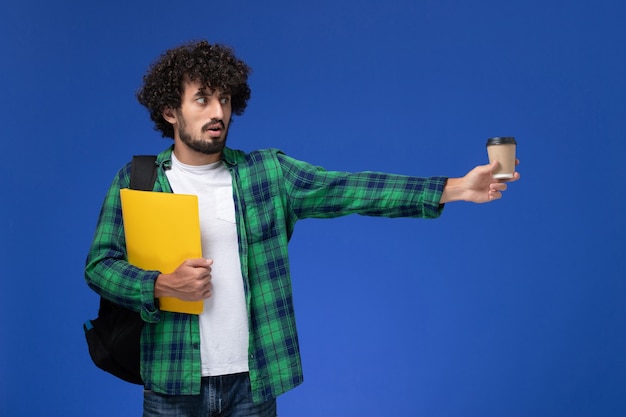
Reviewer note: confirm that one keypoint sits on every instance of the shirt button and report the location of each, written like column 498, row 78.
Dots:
column 196, row 346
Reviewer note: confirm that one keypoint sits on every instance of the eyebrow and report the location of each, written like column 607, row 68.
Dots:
column 207, row 91
column 202, row 92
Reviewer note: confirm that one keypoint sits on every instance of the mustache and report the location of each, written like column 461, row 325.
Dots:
column 211, row 124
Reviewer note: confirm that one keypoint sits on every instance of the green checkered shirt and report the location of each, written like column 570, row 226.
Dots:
column 271, row 192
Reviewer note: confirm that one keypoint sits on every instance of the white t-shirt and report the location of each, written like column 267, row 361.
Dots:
column 224, row 321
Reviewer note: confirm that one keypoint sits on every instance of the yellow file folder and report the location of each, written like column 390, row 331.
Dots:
column 162, row 230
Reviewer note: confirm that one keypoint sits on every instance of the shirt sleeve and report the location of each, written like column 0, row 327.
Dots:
column 107, row 269
column 317, row 193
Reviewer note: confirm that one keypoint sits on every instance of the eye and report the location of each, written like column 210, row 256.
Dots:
column 201, row 100
column 224, row 100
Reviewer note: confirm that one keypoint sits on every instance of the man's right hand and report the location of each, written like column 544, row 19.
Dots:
column 191, row 281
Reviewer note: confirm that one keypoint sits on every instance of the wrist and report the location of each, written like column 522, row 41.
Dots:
column 452, row 191
column 161, row 288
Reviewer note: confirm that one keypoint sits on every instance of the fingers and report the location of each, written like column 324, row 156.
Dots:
column 201, row 269
column 198, row 268
column 207, row 290
column 494, row 195
column 497, row 186
column 198, row 262
column 495, row 190
column 195, row 278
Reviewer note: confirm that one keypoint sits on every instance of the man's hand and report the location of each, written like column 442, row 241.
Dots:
column 477, row 186
column 191, row 281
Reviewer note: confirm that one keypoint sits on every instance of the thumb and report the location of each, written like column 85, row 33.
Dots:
column 493, row 166
column 485, row 169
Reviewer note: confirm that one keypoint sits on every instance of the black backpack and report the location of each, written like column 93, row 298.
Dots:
column 113, row 337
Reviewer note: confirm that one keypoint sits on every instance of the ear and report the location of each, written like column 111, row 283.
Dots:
column 169, row 115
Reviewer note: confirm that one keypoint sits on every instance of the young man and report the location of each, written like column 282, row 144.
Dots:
column 242, row 352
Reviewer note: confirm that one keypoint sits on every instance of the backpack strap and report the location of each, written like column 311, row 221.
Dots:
column 143, row 172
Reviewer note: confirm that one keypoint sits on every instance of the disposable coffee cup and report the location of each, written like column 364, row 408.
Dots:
column 502, row 149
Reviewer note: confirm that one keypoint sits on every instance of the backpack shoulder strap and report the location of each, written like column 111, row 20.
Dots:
column 143, row 172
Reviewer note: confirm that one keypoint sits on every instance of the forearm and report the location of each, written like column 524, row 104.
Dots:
column 107, row 270
column 123, row 284
column 108, row 273
column 315, row 192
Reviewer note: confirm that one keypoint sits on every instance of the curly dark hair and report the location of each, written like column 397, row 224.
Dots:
column 214, row 66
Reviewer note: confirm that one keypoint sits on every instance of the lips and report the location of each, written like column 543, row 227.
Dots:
column 214, row 129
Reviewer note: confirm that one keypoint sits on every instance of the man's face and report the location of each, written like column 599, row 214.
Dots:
column 202, row 121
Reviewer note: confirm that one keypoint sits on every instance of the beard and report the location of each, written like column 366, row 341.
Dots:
column 208, row 146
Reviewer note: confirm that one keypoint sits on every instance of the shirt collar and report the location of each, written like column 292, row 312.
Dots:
column 229, row 156
column 164, row 159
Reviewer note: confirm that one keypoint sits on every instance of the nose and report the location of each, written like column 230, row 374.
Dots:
column 215, row 108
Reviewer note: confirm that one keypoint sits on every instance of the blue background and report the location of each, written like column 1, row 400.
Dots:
column 515, row 308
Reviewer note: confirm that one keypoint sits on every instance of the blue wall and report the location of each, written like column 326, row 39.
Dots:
column 514, row 308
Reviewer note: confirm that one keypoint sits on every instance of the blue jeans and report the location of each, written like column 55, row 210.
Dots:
column 220, row 396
